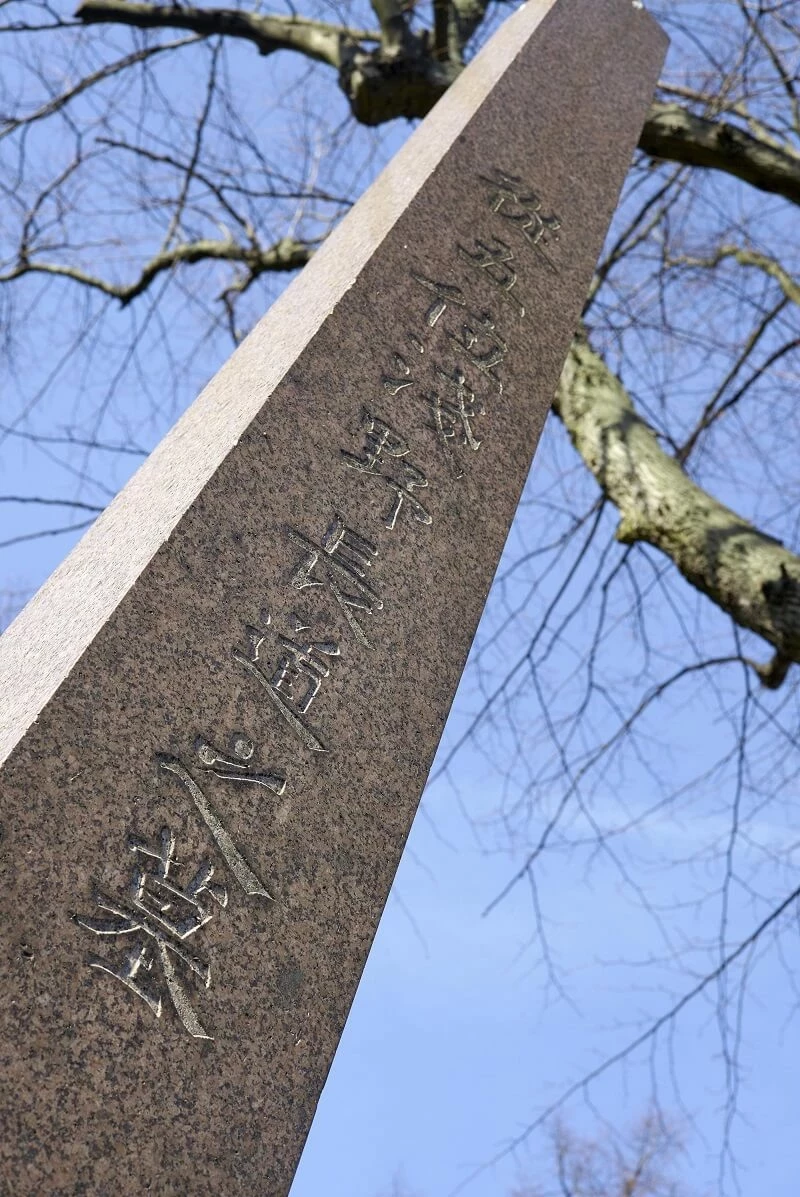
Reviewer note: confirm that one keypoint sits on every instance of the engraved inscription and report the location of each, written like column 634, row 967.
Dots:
column 233, row 766
column 294, row 677
column 340, row 562
column 455, row 409
column 248, row 880
column 452, row 401
column 494, row 260
column 400, row 377
column 444, row 295
column 515, row 201
column 481, row 344
column 385, row 456
column 160, row 915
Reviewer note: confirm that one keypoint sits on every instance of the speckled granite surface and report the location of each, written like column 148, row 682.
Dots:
column 200, row 831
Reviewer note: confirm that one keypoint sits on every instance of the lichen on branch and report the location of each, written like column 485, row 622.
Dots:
column 744, row 571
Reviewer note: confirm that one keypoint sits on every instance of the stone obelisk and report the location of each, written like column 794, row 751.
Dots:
column 217, row 717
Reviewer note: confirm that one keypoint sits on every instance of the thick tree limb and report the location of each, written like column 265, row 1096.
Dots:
column 395, row 34
column 745, row 572
column 286, row 254
column 382, row 88
column 400, row 77
column 675, row 133
column 315, row 39
column 466, row 16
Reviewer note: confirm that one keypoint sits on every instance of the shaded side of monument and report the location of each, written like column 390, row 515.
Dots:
column 219, row 715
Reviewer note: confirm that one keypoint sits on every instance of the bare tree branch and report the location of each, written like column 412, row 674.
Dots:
column 396, row 38
column 402, row 76
column 746, row 572
column 650, row 1033
column 678, row 135
column 90, row 80
column 11, row 124
column 287, row 254
column 466, row 16
column 269, row 32
column 749, row 257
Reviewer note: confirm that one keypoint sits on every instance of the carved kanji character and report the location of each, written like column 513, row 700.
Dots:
column 455, row 410
column 160, row 915
column 342, row 558
column 481, row 344
column 229, row 768
column 445, row 294
column 514, row 200
column 400, row 375
column 383, row 443
column 494, row 260
column 234, row 765
column 291, row 674
column 399, row 378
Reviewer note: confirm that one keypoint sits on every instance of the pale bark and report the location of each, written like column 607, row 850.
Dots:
column 746, row 572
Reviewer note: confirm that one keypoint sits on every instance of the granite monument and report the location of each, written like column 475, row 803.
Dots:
column 217, row 717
